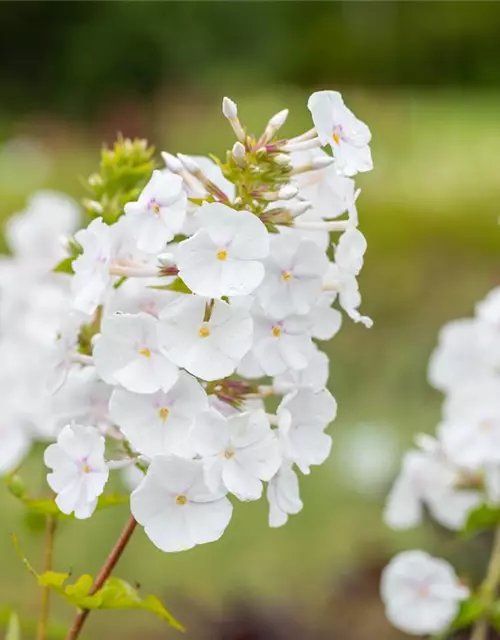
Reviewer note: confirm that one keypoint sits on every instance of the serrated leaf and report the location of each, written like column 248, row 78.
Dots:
column 483, row 517
column 65, row 266
column 13, row 628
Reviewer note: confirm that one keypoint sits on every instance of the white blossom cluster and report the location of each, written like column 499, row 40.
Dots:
column 450, row 474
column 197, row 292
column 34, row 302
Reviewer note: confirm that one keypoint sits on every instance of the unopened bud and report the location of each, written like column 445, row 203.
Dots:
column 166, row 259
column 282, row 159
column 239, row 153
column 279, row 119
column 189, row 163
column 288, row 192
column 229, row 108
column 298, row 208
column 171, row 162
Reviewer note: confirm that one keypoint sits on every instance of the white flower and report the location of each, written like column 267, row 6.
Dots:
column 79, row 469
column 92, row 279
column 159, row 213
column 175, row 506
column 280, row 345
column 35, row 235
column 326, row 320
column 283, row 496
column 421, row 594
column 470, row 432
column 136, row 295
column 468, row 349
column 209, row 349
column 15, row 442
column 337, row 126
column 294, row 276
column 127, row 353
column 429, row 478
column 341, row 276
column 160, row 423
column 314, row 376
column 83, row 398
column 303, row 416
column 238, row 452
column 488, row 310
column 330, row 193
column 224, row 256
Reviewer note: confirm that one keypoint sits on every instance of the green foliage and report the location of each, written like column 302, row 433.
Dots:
column 65, row 266
column 123, row 172
column 483, row 517
column 471, row 610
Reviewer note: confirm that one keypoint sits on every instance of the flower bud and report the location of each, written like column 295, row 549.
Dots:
column 188, row 163
column 287, row 192
column 298, row 208
column 282, row 159
column 239, row 153
column 171, row 162
column 229, row 109
column 279, row 119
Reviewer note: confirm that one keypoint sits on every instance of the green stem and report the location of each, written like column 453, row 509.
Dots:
column 489, row 588
column 50, row 534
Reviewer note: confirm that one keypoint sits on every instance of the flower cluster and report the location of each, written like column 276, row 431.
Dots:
column 452, row 474
column 214, row 276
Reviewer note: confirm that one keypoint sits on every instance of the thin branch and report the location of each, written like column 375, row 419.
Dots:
column 104, row 574
column 489, row 588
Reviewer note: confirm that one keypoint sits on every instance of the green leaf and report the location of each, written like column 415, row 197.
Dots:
column 470, row 611
column 65, row 266
column 483, row 517
column 178, row 285
column 13, row 628
column 114, row 594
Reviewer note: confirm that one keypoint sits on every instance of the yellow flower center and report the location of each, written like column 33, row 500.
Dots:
column 276, row 331
column 86, row 468
column 163, row 413
column 221, row 254
column 229, row 453
column 145, row 352
column 181, row 500
column 156, row 208
column 286, row 275
column 204, row 332
column 336, row 138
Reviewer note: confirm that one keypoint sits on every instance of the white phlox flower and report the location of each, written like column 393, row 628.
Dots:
column 314, row 376
column 294, row 276
column 238, row 452
column 175, row 506
column 303, row 416
column 159, row 213
column 430, row 479
column 421, row 594
column 468, row 349
column 470, row 431
column 341, row 277
column 160, row 423
column 207, row 339
column 79, row 471
column 224, row 257
column 281, row 345
column 127, row 352
column 283, row 496
column 338, row 127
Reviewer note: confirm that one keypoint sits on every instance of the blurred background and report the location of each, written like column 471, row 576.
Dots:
column 426, row 78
